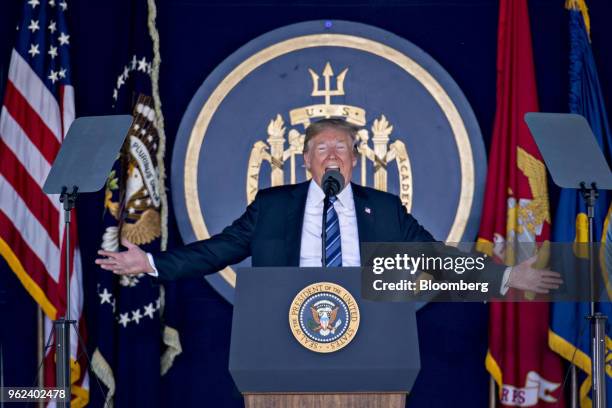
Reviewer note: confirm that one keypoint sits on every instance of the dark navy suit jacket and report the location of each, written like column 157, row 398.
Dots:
column 270, row 231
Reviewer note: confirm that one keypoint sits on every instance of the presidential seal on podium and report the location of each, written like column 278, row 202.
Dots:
column 324, row 317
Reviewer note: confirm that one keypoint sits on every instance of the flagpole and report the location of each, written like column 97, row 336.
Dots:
column 574, row 390
column 492, row 396
column 1, row 374
column 40, row 352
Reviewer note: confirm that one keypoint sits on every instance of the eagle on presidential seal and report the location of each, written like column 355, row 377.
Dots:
column 324, row 314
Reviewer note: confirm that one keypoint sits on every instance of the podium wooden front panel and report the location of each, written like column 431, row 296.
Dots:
column 352, row 400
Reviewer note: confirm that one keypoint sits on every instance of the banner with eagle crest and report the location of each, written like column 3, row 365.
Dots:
column 135, row 341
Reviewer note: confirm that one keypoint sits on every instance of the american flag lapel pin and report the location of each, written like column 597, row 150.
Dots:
column 368, row 210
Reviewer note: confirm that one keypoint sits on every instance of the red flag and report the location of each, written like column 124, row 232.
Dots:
column 37, row 112
column 516, row 210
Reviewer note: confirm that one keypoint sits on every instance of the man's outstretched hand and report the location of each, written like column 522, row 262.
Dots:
column 130, row 262
column 525, row 276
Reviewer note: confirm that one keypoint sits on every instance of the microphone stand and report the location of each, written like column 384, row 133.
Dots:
column 331, row 184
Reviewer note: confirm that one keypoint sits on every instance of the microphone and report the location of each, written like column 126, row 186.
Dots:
column 332, row 182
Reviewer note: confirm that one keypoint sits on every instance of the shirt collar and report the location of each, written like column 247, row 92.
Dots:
column 316, row 195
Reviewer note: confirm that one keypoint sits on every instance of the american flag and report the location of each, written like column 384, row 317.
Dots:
column 37, row 112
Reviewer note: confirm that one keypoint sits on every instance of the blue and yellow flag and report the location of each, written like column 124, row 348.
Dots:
column 569, row 334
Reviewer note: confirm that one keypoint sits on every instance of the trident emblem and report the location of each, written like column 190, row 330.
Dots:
column 327, row 92
column 380, row 155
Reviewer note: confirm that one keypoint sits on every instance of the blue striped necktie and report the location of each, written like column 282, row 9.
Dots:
column 333, row 247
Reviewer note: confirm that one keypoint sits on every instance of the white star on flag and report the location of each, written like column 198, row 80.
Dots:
column 142, row 65
column 52, row 3
column 53, row 76
column 52, row 52
column 124, row 319
column 33, row 50
column 62, row 73
column 63, row 5
column 33, row 25
column 52, row 26
column 136, row 316
column 33, row 3
column 149, row 310
column 105, row 297
column 63, row 39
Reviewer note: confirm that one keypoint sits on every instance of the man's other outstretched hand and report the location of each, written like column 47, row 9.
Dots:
column 130, row 262
column 526, row 276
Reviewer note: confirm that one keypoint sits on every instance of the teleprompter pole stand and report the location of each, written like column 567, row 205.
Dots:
column 597, row 319
column 82, row 165
column 62, row 325
column 575, row 160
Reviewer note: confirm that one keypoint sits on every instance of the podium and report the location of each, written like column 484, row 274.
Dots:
column 272, row 360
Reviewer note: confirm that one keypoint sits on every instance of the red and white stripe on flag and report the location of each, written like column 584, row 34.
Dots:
column 33, row 122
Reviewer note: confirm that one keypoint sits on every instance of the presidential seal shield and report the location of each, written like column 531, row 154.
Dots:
column 244, row 129
column 324, row 317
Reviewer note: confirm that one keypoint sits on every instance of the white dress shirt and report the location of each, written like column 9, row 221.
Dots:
column 310, row 247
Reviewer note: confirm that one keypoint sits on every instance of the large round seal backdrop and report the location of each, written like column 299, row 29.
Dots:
column 244, row 129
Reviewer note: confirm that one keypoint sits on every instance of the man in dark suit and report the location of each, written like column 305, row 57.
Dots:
column 283, row 225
